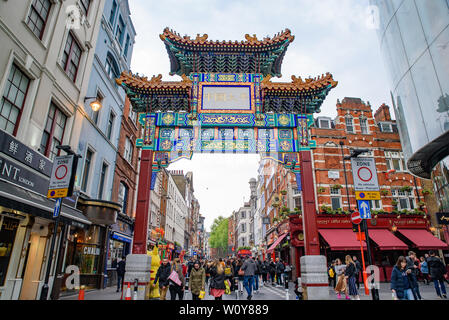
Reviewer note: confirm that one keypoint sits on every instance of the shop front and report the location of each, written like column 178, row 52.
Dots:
column 26, row 222
column 278, row 242
column 119, row 246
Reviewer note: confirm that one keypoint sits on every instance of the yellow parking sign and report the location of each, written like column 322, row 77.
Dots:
column 367, row 195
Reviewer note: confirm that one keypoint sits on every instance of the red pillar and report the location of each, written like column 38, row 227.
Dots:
column 311, row 240
column 143, row 203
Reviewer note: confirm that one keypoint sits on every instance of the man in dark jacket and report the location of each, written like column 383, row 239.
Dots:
column 358, row 268
column 412, row 274
column 257, row 275
column 250, row 267
column 162, row 274
column 279, row 271
column 272, row 271
column 437, row 271
column 121, row 269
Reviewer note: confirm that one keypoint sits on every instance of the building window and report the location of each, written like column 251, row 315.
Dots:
column 103, row 173
column 395, row 161
column 128, row 154
column 120, row 32
column 243, row 227
column 375, row 205
column 386, row 127
column 110, row 125
column 53, row 132
column 13, row 100
column 123, row 196
column 87, row 164
column 349, row 124
column 113, row 12
column 125, row 52
column 243, row 214
column 71, row 57
column 335, row 198
column 405, row 200
column 364, row 125
column 324, row 124
column 85, row 4
column 37, row 18
column 111, row 67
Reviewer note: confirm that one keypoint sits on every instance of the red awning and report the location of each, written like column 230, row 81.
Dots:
column 276, row 243
column 341, row 239
column 423, row 239
column 386, row 240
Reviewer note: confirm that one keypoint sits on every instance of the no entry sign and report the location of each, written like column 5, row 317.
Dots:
column 356, row 218
column 365, row 174
column 60, row 178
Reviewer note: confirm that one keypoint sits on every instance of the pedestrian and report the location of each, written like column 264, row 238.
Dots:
column 412, row 274
column 424, row 268
column 249, row 266
column 359, row 271
column 197, row 280
column 257, row 275
column 341, row 281
column 265, row 266
column 279, row 271
column 272, row 271
column 437, row 271
column 176, row 289
column 162, row 275
column 287, row 270
column 238, row 276
column 350, row 276
column 121, row 266
column 189, row 266
column 332, row 275
column 217, row 286
column 400, row 282
column 229, row 273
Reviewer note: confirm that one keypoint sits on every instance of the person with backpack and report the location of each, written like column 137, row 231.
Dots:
column 437, row 271
column 249, row 267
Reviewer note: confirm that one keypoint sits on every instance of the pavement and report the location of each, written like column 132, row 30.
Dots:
column 267, row 292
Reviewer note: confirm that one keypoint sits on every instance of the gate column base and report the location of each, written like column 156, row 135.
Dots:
column 314, row 279
column 138, row 267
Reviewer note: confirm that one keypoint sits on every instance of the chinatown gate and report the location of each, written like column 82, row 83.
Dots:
column 227, row 103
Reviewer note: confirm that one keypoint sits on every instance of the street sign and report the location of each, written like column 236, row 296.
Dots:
column 356, row 218
column 367, row 195
column 365, row 174
column 365, row 210
column 61, row 177
column 57, row 209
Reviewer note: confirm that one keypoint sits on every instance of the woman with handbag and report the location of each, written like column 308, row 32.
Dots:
column 217, row 285
column 239, row 274
column 177, row 281
column 197, row 280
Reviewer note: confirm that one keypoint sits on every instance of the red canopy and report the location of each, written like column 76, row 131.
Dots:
column 275, row 244
column 386, row 240
column 423, row 239
column 341, row 239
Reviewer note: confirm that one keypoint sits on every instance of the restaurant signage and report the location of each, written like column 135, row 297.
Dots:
column 443, row 218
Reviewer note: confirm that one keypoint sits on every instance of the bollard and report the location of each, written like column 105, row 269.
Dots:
column 287, row 293
column 136, row 282
column 237, row 288
column 81, row 293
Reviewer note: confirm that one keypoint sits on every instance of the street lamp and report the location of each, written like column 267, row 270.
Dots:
column 95, row 104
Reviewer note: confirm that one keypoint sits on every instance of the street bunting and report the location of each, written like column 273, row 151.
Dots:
column 367, row 195
column 61, row 179
column 365, row 210
column 365, row 174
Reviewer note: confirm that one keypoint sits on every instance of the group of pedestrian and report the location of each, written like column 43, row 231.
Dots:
column 406, row 272
column 344, row 278
column 219, row 276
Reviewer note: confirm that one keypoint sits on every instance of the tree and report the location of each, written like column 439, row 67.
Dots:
column 219, row 235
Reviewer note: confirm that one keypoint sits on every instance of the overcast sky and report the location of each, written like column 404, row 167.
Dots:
column 330, row 36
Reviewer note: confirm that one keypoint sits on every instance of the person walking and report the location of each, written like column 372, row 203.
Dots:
column 350, row 276
column 197, row 280
column 359, row 271
column 121, row 269
column 412, row 274
column 249, row 266
column 217, row 281
column 229, row 273
column 332, row 275
column 279, row 271
column 238, row 276
column 437, row 271
column 265, row 267
column 400, row 281
column 162, row 275
column 287, row 270
column 176, row 289
column 424, row 268
column 272, row 271
column 341, row 281
column 257, row 275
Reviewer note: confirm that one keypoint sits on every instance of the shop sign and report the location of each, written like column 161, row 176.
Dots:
column 92, row 251
column 443, row 218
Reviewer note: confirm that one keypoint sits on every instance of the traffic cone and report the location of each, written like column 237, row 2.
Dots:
column 128, row 293
column 81, row 293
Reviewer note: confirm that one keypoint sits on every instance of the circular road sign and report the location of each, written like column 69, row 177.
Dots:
column 365, row 174
column 61, row 172
column 355, row 217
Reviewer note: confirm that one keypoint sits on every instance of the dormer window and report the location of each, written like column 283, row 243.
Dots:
column 386, row 127
column 324, row 124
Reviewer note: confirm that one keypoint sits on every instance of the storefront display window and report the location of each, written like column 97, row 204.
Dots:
column 85, row 249
column 8, row 229
column 116, row 252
